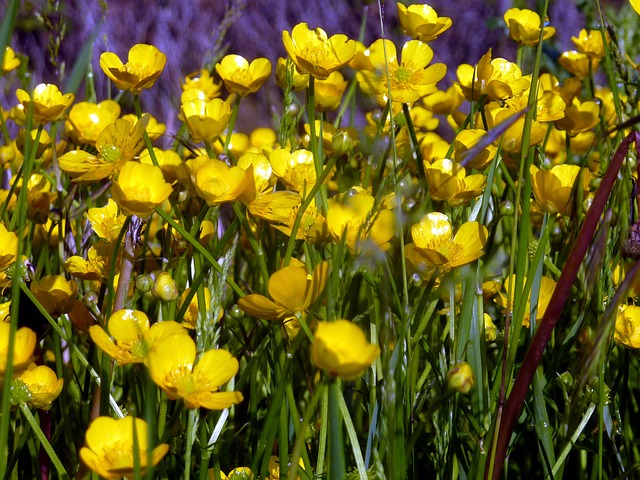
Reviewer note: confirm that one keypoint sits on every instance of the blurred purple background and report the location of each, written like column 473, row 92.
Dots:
column 194, row 32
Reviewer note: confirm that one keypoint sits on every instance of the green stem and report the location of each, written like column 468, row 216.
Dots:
column 232, row 124
column 337, row 465
column 42, row 438
column 203, row 251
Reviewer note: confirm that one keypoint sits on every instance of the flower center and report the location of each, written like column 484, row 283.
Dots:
column 111, row 153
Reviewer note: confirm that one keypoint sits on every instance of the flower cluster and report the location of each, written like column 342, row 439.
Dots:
column 208, row 269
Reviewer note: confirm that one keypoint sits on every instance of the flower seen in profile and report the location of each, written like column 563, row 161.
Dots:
column 168, row 161
column 315, row 53
column 578, row 63
column 511, row 140
column 205, row 120
column 329, row 91
column 144, row 65
column 190, row 319
column 172, row 365
column 109, row 447
column 579, row 117
column 497, row 78
column 46, row 103
column 627, row 330
column 341, row 349
column 140, row 188
column 10, row 61
column 42, row 384
column 409, row 79
column 23, row 347
column 421, row 22
column 87, row 120
column 117, row 144
column 298, row 80
column 354, row 216
column 467, row 139
column 8, row 247
column 242, row 77
column 448, row 181
column 95, row 266
column 524, row 26
column 555, row 189
column 460, row 378
column 547, row 286
column 55, row 293
column 590, row 43
column 202, row 81
column 435, row 247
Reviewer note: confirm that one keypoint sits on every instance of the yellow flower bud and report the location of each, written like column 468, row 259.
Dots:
column 460, row 377
column 165, row 288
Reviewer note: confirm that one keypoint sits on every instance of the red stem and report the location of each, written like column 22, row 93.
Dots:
column 514, row 403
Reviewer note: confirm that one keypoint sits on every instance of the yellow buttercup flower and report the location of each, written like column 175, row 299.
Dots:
column 555, row 189
column 202, row 81
column 524, row 26
column 315, row 53
column 460, row 378
column 106, row 221
column 578, row 64
column 341, row 349
column 467, row 139
column 8, row 247
column 409, row 80
column 590, row 43
column 329, row 91
column 144, row 65
column 274, row 467
column 547, row 286
column 172, row 365
column 218, row 183
column 511, row 140
column 444, row 102
column 296, row 169
column 435, row 247
column 448, row 181
column 42, row 384
column 96, row 266
column 109, row 447
column 9, row 61
column 498, row 79
column 117, row 144
column 154, row 128
column 635, row 4
column 205, row 120
column 293, row 291
column 242, row 77
column 87, row 120
column 313, row 226
column 422, row 22
column 23, row 347
column 351, row 216
column 168, row 161
column 139, row 189
column 46, row 103
column 298, row 80
column 133, row 338
column 55, row 293
column 190, row 318
column 579, row 117
column 627, row 330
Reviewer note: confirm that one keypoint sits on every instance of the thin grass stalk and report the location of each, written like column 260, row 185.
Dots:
column 44, row 442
